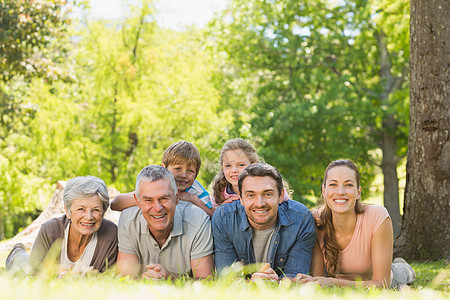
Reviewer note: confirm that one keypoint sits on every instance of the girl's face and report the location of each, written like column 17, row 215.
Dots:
column 340, row 190
column 234, row 162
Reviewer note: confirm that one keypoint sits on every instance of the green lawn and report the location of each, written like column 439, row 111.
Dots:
column 108, row 286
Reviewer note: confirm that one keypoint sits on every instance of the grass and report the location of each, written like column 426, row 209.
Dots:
column 109, row 286
column 432, row 274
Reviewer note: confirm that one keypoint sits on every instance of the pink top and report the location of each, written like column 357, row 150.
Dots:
column 355, row 261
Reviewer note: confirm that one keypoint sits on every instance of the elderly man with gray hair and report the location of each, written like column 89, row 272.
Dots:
column 163, row 238
column 88, row 240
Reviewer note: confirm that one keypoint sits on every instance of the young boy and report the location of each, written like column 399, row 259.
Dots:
column 183, row 160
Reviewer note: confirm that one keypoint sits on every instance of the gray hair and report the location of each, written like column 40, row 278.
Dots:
column 84, row 187
column 154, row 173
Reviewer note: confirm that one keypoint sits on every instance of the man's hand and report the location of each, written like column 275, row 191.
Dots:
column 155, row 272
column 265, row 273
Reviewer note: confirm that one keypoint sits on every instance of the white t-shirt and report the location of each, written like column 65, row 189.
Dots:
column 82, row 265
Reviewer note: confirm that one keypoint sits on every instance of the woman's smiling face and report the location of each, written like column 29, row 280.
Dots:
column 341, row 190
column 86, row 215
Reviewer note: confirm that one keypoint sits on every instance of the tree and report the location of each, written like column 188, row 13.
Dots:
column 30, row 36
column 322, row 80
column 144, row 88
column 425, row 232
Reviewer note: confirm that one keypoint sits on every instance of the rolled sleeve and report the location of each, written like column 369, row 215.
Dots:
column 299, row 260
column 224, row 251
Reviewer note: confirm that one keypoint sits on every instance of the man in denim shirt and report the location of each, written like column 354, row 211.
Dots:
column 260, row 228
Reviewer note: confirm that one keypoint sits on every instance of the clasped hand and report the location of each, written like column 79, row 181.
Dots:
column 155, row 272
column 265, row 273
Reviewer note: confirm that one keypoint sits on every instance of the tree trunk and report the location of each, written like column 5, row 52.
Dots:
column 425, row 232
column 389, row 140
column 390, row 176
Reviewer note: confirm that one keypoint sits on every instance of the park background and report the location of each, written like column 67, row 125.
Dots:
column 105, row 97
column 306, row 82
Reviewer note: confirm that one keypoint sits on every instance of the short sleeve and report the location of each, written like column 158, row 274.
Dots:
column 202, row 245
column 125, row 244
column 377, row 215
column 198, row 190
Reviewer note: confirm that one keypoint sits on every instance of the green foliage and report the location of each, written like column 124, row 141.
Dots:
column 134, row 89
column 309, row 73
column 32, row 35
column 28, row 30
column 301, row 80
column 143, row 89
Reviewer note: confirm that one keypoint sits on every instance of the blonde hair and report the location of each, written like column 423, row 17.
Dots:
column 181, row 153
column 324, row 219
column 220, row 182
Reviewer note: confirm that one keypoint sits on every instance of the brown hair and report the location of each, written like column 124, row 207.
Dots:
column 261, row 170
column 324, row 218
column 220, row 182
column 181, row 153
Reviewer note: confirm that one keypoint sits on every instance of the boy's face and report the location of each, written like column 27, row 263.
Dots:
column 184, row 174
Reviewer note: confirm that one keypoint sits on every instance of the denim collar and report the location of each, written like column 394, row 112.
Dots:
column 283, row 217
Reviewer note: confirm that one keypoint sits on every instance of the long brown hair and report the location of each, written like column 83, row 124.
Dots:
column 220, row 182
column 324, row 218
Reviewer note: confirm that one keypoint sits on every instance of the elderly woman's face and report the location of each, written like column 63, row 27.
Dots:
column 87, row 215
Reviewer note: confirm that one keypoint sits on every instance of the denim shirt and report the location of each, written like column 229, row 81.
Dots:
column 290, row 248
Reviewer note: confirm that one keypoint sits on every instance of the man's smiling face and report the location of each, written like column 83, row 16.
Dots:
column 260, row 198
column 158, row 202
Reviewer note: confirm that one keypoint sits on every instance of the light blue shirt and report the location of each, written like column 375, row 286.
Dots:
column 198, row 190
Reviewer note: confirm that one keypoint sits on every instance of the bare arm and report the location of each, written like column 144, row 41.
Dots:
column 202, row 268
column 127, row 264
column 185, row 196
column 317, row 264
column 382, row 246
column 122, row 201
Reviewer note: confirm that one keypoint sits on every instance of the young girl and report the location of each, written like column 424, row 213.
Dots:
column 354, row 240
column 235, row 156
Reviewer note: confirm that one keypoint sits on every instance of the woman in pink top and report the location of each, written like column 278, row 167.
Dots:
column 354, row 241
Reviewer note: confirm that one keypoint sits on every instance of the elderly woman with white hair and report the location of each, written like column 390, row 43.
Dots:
column 88, row 240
